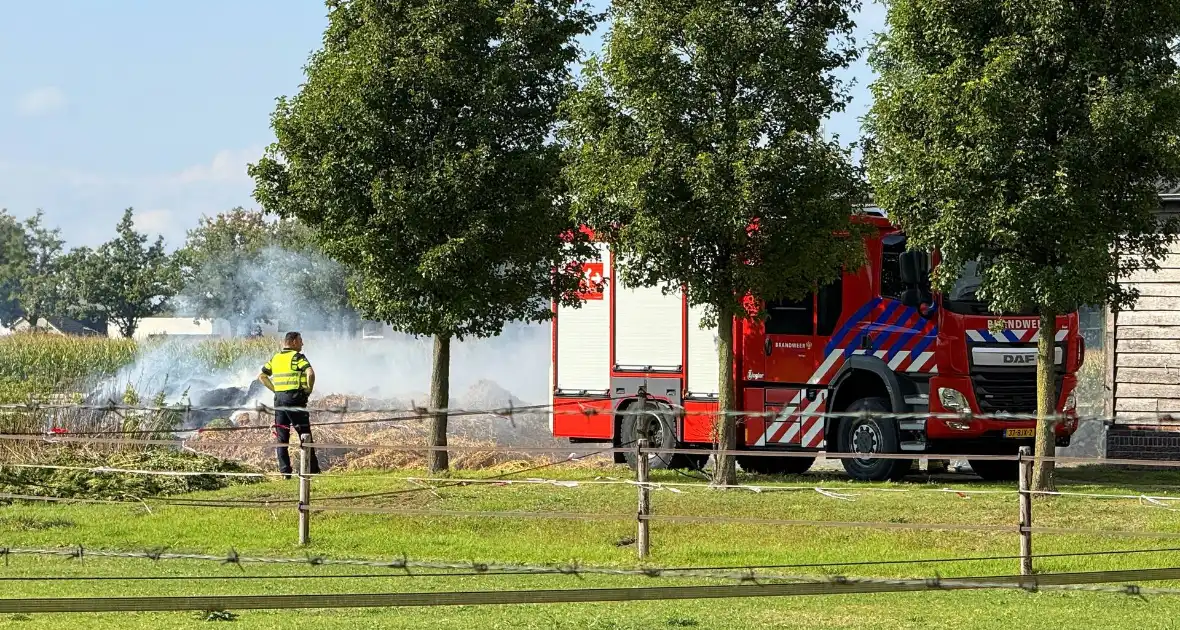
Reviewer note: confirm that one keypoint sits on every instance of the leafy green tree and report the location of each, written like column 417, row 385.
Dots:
column 40, row 293
column 1030, row 136
column 13, row 262
column 124, row 280
column 420, row 150
column 74, row 270
column 697, row 153
column 211, row 264
column 243, row 267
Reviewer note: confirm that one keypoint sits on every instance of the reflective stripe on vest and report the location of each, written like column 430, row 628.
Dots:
column 284, row 376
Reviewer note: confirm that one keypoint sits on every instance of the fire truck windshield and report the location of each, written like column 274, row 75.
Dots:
column 963, row 299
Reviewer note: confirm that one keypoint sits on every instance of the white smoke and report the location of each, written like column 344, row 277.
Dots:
column 304, row 292
column 399, row 366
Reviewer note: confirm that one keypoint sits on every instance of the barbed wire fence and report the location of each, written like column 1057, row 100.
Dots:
column 749, row 581
column 1022, row 526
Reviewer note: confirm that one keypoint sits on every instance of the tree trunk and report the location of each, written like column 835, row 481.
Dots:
column 1046, row 402
column 726, row 423
column 440, row 386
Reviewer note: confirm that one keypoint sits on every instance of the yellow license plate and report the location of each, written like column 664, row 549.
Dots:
column 1020, row 433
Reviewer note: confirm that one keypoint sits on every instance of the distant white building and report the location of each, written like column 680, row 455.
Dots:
column 169, row 326
column 200, row 328
column 153, row 327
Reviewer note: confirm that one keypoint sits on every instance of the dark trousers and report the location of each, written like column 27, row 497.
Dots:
column 285, row 422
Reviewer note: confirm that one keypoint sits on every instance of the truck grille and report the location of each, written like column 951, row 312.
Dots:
column 1011, row 391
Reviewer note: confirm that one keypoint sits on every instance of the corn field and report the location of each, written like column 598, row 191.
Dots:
column 48, row 368
column 38, row 366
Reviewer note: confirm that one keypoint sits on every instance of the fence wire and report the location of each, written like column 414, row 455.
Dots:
column 448, row 573
column 405, row 565
column 561, row 408
column 55, row 438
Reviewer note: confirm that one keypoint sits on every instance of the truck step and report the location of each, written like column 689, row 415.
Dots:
column 913, row 446
column 919, row 403
column 916, row 424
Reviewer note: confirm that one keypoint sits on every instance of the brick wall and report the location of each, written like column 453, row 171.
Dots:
column 1137, row 443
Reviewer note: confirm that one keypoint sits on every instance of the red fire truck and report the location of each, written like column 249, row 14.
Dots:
column 875, row 340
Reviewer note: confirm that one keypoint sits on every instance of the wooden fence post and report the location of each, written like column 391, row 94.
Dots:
column 1025, row 477
column 642, row 466
column 304, row 489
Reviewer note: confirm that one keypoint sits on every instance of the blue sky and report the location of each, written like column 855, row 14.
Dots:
column 159, row 105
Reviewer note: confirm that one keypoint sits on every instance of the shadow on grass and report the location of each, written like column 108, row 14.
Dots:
column 1092, row 475
column 1126, row 476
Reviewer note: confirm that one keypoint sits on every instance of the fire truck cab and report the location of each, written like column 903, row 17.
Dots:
column 875, row 340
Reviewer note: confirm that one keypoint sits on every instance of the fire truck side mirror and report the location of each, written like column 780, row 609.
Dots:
column 914, row 268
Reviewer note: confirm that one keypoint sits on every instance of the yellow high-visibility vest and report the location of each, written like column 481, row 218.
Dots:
column 287, row 371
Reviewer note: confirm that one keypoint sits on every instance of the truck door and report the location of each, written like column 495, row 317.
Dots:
column 789, row 341
column 786, row 356
column 795, row 335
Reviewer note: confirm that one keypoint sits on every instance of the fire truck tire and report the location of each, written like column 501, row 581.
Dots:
column 872, row 435
column 660, row 430
column 775, row 465
column 995, row 470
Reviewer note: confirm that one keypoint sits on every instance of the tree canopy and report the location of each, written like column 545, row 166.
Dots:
column 245, row 268
column 124, row 280
column 13, row 262
column 212, row 260
column 1031, row 136
column 40, row 289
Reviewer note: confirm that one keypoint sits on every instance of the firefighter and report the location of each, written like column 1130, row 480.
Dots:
column 290, row 376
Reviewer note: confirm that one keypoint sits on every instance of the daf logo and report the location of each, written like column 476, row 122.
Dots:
column 1020, row 359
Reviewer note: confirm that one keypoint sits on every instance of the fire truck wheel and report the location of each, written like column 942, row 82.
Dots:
column 870, row 435
column 775, row 465
column 659, row 431
column 995, row 470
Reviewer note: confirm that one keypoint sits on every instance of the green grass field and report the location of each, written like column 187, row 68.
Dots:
column 272, row 532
